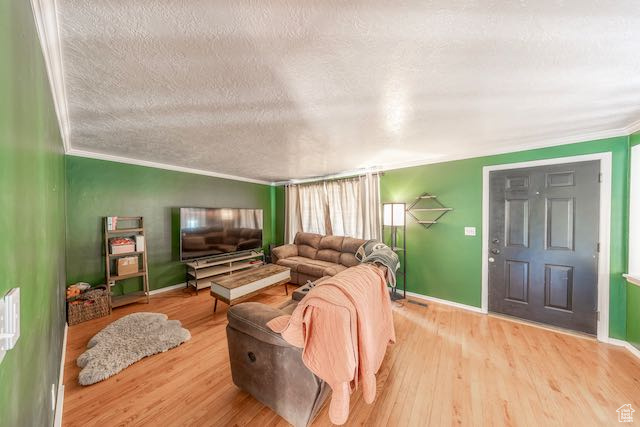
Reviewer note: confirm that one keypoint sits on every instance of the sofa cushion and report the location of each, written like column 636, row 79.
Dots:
column 284, row 251
column 314, row 267
column 348, row 259
column 328, row 255
column 293, row 262
column 309, row 239
column 331, row 242
column 307, row 244
column 334, row 269
column 350, row 245
column 307, row 251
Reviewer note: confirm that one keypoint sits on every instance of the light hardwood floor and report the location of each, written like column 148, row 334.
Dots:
column 449, row 366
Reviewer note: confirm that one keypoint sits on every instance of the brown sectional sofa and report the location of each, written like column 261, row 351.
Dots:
column 312, row 256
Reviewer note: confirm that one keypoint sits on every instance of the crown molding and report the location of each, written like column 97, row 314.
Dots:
column 45, row 15
column 592, row 136
column 633, row 128
column 137, row 162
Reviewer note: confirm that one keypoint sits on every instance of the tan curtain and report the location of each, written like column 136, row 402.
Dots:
column 313, row 212
column 306, row 210
column 343, row 207
column 371, row 207
column 292, row 221
column 354, row 206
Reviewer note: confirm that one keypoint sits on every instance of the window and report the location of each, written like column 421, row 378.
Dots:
column 344, row 207
column 312, row 200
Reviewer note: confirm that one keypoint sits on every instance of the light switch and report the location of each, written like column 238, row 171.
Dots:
column 2, row 352
column 10, row 320
column 469, row 231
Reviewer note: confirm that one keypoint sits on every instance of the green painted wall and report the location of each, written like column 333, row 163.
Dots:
column 444, row 263
column 98, row 188
column 633, row 291
column 31, row 220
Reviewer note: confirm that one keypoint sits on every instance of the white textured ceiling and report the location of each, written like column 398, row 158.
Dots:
column 276, row 90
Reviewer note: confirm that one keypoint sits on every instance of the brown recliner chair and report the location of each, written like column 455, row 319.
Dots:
column 269, row 368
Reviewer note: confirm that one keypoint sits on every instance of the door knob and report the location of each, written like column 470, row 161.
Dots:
column 495, row 251
column 492, row 259
column 495, row 241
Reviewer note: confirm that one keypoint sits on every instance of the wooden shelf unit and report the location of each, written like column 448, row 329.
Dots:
column 126, row 254
column 130, row 298
column 126, row 230
column 200, row 273
column 137, row 230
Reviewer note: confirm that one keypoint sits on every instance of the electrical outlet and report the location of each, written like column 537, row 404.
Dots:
column 469, row 231
column 53, row 397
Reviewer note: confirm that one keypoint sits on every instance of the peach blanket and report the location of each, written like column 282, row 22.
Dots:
column 343, row 326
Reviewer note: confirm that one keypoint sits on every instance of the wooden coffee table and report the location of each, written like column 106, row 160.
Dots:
column 238, row 287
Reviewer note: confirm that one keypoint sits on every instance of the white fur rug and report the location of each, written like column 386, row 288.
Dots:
column 126, row 341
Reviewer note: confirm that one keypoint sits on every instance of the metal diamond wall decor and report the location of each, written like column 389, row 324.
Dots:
column 427, row 210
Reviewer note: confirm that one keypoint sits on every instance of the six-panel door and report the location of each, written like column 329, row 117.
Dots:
column 543, row 244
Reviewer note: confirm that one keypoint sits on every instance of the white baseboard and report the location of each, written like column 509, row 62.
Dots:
column 168, row 288
column 445, row 302
column 620, row 343
column 57, row 418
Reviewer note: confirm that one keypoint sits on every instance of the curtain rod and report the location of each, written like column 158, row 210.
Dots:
column 332, row 178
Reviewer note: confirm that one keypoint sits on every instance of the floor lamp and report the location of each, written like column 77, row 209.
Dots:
column 393, row 216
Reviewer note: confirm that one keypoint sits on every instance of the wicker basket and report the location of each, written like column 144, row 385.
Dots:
column 87, row 309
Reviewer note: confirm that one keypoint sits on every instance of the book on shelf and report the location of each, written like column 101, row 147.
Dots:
column 139, row 243
column 112, row 223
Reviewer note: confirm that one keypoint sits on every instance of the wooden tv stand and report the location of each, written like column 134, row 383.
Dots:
column 200, row 273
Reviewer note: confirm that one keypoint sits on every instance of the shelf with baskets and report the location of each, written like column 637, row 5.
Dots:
column 125, row 257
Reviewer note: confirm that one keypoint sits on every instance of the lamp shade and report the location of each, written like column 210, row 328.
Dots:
column 393, row 214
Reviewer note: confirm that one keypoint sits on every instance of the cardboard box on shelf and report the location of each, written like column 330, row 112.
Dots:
column 122, row 245
column 123, row 249
column 127, row 265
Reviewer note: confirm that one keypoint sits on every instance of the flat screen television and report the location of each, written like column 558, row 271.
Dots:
column 213, row 232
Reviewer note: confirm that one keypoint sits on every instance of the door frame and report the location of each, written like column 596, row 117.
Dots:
column 604, row 236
